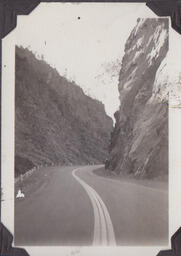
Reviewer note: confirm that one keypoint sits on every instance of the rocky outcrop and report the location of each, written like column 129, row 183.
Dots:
column 139, row 143
column 55, row 121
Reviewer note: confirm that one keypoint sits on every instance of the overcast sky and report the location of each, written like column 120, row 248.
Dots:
column 83, row 41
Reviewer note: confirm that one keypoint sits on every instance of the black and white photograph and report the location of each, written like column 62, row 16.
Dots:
column 91, row 127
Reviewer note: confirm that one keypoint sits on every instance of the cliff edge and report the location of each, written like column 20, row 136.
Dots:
column 139, row 142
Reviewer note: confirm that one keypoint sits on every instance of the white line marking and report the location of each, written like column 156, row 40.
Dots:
column 103, row 228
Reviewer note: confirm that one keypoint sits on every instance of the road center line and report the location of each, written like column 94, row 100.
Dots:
column 103, row 228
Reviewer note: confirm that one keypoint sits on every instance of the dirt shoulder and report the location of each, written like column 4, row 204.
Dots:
column 152, row 183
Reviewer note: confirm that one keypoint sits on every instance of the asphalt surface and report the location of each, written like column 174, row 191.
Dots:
column 67, row 206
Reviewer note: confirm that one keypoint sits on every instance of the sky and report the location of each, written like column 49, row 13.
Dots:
column 84, row 42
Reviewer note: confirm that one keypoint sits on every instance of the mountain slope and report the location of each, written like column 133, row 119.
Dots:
column 55, row 121
column 139, row 143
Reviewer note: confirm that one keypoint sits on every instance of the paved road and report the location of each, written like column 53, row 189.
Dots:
column 74, row 206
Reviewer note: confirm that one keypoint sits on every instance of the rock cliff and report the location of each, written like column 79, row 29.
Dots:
column 139, row 142
column 55, row 121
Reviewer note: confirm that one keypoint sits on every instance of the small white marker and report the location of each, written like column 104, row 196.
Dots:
column 20, row 194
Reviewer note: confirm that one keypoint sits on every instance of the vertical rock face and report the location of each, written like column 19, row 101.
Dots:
column 55, row 121
column 139, row 143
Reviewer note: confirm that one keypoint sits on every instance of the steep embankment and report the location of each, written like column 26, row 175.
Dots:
column 55, row 121
column 139, row 143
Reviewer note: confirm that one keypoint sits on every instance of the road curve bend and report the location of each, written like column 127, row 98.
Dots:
column 103, row 227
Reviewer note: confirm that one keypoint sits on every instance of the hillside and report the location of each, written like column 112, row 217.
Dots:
column 139, row 143
column 56, row 123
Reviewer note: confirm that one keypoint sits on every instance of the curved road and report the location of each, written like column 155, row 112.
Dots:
column 74, row 206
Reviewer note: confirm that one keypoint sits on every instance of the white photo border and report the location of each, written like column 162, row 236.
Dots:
column 7, row 162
